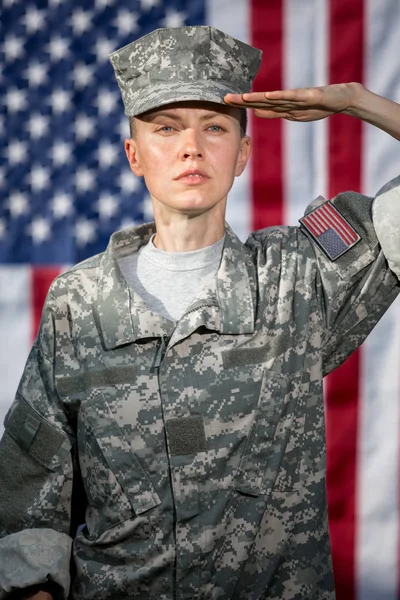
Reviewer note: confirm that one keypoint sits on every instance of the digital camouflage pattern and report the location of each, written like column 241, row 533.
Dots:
column 183, row 63
column 194, row 453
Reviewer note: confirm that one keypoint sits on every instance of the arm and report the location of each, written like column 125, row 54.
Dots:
column 356, row 288
column 311, row 104
column 36, row 475
column 353, row 99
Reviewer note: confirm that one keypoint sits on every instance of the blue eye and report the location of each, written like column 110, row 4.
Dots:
column 215, row 128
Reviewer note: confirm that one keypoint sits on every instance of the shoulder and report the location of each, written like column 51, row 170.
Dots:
column 79, row 280
column 278, row 241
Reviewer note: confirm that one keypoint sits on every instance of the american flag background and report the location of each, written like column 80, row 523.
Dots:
column 65, row 186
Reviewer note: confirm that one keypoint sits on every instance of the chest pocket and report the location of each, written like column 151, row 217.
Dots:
column 271, row 460
column 116, row 483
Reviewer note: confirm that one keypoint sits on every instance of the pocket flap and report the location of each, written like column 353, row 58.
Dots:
column 119, row 456
column 266, row 444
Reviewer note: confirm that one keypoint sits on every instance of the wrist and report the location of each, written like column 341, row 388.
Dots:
column 356, row 96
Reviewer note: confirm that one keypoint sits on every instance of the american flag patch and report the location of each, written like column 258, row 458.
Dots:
column 330, row 230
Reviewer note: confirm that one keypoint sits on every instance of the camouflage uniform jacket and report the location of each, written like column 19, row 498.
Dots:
column 193, row 452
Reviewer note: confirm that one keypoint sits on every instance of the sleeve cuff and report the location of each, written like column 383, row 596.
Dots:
column 386, row 219
column 32, row 557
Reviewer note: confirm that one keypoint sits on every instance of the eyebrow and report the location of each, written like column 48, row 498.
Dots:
column 176, row 117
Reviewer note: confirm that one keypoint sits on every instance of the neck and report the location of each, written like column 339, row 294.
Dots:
column 178, row 232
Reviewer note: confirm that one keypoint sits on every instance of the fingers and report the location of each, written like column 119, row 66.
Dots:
column 289, row 99
column 279, row 101
column 269, row 114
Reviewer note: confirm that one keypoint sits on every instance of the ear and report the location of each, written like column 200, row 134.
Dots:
column 133, row 156
column 243, row 156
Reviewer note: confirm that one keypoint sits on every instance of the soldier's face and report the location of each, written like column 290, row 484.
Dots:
column 189, row 154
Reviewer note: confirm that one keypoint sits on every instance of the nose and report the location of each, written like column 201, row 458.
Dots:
column 191, row 145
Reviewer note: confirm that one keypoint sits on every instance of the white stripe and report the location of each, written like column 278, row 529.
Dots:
column 377, row 552
column 340, row 222
column 15, row 327
column 234, row 18
column 320, row 162
column 334, row 222
column 378, row 466
column 305, row 43
column 320, row 227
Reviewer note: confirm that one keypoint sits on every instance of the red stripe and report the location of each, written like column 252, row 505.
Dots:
column 267, row 161
column 41, row 278
column 341, row 222
column 331, row 224
column 317, row 224
column 308, row 221
column 344, row 172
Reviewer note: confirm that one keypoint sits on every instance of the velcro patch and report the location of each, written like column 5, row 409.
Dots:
column 332, row 232
column 186, row 435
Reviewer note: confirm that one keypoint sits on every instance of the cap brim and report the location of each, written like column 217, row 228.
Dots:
column 168, row 93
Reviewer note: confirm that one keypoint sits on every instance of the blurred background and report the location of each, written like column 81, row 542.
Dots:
column 65, row 186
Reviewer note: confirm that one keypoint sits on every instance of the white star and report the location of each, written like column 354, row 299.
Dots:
column 128, row 222
column 107, row 154
column 39, row 230
column 84, row 127
column 37, row 125
column 83, row 74
column 61, row 205
column 107, row 206
column 60, row 101
column 34, row 19
column 124, row 128
column 126, row 22
column 81, row 21
column 103, row 3
column 55, row 2
column 57, row 48
column 148, row 214
column 84, row 180
column 84, row 231
column 17, row 152
column 128, row 182
column 61, row 153
column 39, row 178
column 106, row 101
column 149, row 3
column 18, row 204
column 2, row 229
column 173, row 18
column 16, row 100
column 13, row 47
column 103, row 48
column 36, row 73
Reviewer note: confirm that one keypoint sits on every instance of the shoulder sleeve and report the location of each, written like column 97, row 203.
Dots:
column 386, row 219
column 36, row 472
column 356, row 282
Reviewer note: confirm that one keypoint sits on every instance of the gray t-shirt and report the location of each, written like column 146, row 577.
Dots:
column 169, row 281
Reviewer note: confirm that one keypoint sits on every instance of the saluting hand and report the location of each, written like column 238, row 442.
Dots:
column 302, row 104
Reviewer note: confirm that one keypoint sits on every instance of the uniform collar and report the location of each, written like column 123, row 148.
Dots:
column 124, row 317
column 236, row 286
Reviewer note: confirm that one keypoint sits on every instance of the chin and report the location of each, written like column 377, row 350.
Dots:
column 194, row 204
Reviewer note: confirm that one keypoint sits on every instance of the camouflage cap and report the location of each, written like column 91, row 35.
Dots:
column 183, row 63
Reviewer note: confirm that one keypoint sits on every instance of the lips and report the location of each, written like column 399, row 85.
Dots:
column 192, row 176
